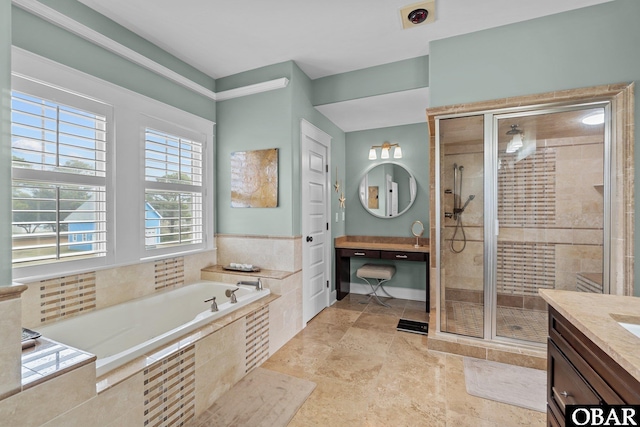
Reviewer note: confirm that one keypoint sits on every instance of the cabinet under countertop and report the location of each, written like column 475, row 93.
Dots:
column 592, row 359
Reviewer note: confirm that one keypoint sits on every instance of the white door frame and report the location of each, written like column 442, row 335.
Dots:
column 306, row 128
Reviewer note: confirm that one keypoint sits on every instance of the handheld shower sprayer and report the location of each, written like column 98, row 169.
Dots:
column 458, row 208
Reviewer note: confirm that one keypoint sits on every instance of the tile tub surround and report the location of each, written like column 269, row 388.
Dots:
column 267, row 252
column 123, row 332
column 596, row 317
column 49, row 359
column 206, row 363
column 10, row 350
column 110, row 286
column 285, row 314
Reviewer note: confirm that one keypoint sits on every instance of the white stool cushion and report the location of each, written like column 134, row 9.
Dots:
column 376, row 271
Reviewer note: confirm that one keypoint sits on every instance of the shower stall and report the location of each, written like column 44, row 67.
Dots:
column 523, row 202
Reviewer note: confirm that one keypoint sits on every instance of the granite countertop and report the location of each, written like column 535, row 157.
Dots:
column 381, row 243
column 597, row 316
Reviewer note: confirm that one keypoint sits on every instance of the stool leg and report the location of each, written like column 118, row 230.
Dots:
column 373, row 293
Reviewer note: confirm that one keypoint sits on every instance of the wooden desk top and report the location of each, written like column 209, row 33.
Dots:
column 382, row 243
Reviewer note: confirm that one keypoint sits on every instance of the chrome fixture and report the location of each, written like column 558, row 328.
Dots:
column 214, row 304
column 384, row 151
column 257, row 284
column 515, row 143
column 458, row 208
column 232, row 294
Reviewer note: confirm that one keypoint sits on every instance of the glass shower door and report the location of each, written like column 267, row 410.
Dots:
column 550, row 211
column 461, row 175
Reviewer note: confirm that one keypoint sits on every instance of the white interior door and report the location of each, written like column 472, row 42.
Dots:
column 315, row 225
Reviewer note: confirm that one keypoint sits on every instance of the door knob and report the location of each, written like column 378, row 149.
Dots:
column 309, row 239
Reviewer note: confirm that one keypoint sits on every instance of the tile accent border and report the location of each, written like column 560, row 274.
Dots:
column 170, row 390
column 257, row 350
column 67, row 296
column 169, row 273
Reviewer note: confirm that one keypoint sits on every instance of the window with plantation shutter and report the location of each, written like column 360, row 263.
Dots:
column 174, row 190
column 59, row 171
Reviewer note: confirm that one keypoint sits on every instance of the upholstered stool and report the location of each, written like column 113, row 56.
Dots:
column 379, row 272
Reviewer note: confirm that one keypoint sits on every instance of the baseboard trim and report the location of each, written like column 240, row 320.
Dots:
column 402, row 293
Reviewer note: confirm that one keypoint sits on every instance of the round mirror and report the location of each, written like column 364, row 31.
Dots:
column 387, row 190
column 417, row 229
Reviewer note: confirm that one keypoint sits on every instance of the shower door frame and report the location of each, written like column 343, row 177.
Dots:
column 490, row 214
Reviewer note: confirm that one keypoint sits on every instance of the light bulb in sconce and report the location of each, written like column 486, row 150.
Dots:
column 384, row 151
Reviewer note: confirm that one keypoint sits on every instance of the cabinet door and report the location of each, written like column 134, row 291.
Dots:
column 566, row 385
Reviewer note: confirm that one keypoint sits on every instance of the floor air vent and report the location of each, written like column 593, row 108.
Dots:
column 405, row 325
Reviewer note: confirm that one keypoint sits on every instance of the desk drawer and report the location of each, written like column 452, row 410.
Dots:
column 363, row 253
column 402, row 256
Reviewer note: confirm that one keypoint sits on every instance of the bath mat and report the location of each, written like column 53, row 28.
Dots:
column 515, row 385
column 405, row 325
column 262, row 398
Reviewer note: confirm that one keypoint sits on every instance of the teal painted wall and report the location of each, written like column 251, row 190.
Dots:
column 38, row 36
column 255, row 122
column 393, row 77
column 269, row 120
column 415, row 150
column 303, row 109
column 89, row 17
column 586, row 47
column 5, row 142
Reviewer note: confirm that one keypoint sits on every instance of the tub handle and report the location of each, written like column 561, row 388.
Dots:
column 232, row 294
column 214, row 304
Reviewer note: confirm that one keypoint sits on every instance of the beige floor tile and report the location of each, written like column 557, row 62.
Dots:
column 372, row 343
column 337, row 316
column 376, row 322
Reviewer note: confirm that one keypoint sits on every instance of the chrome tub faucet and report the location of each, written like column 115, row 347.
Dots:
column 214, row 304
column 257, row 284
column 232, row 294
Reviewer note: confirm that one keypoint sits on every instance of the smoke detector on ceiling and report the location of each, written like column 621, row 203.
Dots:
column 418, row 14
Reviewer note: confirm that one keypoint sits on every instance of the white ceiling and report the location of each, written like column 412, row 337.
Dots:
column 392, row 109
column 324, row 37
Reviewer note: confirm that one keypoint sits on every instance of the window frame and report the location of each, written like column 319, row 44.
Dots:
column 131, row 112
column 173, row 129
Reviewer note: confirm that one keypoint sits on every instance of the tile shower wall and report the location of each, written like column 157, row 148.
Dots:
column 54, row 299
column 552, row 224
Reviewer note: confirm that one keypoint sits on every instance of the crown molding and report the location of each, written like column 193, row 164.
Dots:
column 53, row 16
column 253, row 89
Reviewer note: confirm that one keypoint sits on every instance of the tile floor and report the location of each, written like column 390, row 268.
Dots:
column 369, row 374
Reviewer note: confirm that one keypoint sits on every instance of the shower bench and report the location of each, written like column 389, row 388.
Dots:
column 377, row 247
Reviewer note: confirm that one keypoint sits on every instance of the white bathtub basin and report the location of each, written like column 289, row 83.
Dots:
column 120, row 333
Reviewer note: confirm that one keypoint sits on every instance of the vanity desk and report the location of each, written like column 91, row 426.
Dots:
column 373, row 247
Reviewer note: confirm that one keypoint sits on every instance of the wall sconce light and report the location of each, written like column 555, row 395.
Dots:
column 384, row 152
column 516, row 139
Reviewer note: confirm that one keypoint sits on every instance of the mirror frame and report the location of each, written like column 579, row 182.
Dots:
column 413, row 189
